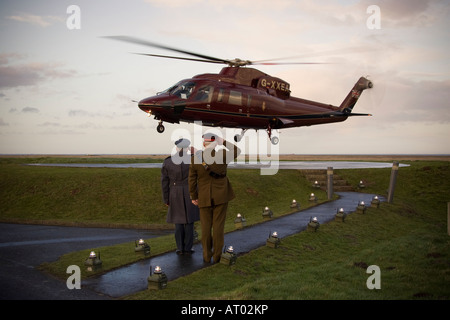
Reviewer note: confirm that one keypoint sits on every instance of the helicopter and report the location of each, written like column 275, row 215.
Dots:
column 240, row 97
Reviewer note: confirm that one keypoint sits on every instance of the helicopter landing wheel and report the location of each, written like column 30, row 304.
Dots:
column 274, row 140
column 239, row 137
column 160, row 128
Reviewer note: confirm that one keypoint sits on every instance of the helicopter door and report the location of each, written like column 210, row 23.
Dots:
column 245, row 103
column 220, row 95
column 249, row 103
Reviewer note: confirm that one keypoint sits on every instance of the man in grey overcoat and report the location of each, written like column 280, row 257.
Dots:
column 175, row 192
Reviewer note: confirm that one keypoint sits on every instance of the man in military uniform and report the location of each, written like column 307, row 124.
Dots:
column 210, row 190
column 175, row 192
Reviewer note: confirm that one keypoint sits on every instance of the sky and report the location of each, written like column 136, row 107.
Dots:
column 65, row 89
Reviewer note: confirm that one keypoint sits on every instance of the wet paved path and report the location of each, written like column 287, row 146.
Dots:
column 133, row 278
column 24, row 247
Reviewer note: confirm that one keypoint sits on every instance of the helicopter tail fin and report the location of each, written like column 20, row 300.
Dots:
column 352, row 97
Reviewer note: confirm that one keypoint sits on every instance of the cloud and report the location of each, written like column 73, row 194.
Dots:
column 40, row 21
column 83, row 113
column 422, row 101
column 3, row 123
column 62, row 132
column 55, row 128
column 11, row 77
column 173, row 3
column 30, row 110
column 49, row 124
column 128, row 127
column 29, row 73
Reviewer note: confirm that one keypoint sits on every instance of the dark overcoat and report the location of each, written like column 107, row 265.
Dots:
column 175, row 192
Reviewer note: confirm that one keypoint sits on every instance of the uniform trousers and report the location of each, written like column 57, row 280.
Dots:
column 213, row 219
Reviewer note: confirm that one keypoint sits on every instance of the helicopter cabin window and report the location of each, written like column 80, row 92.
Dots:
column 235, row 98
column 220, row 95
column 183, row 89
column 204, row 94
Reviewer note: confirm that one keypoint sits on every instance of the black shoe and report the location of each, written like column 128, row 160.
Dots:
column 179, row 252
column 189, row 251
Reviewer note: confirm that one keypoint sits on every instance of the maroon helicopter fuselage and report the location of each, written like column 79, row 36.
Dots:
column 245, row 98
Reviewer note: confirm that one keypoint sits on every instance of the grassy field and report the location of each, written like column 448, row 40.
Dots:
column 407, row 239
column 126, row 197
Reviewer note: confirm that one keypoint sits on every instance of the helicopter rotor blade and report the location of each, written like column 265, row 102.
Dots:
column 179, row 58
column 285, row 63
column 329, row 53
column 160, row 46
column 204, row 58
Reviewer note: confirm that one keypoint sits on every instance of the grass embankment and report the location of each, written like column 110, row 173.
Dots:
column 115, row 196
column 407, row 239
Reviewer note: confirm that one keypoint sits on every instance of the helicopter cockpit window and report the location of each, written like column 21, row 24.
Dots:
column 169, row 90
column 183, row 89
column 204, row 94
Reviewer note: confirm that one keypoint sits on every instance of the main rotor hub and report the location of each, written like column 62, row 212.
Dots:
column 239, row 63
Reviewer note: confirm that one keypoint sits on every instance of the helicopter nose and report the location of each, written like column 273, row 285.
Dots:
column 145, row 105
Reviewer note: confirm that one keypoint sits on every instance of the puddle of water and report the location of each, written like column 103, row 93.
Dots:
column 299, row 165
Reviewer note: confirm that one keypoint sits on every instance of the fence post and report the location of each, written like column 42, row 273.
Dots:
column 393, row 181
column 330, row 182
